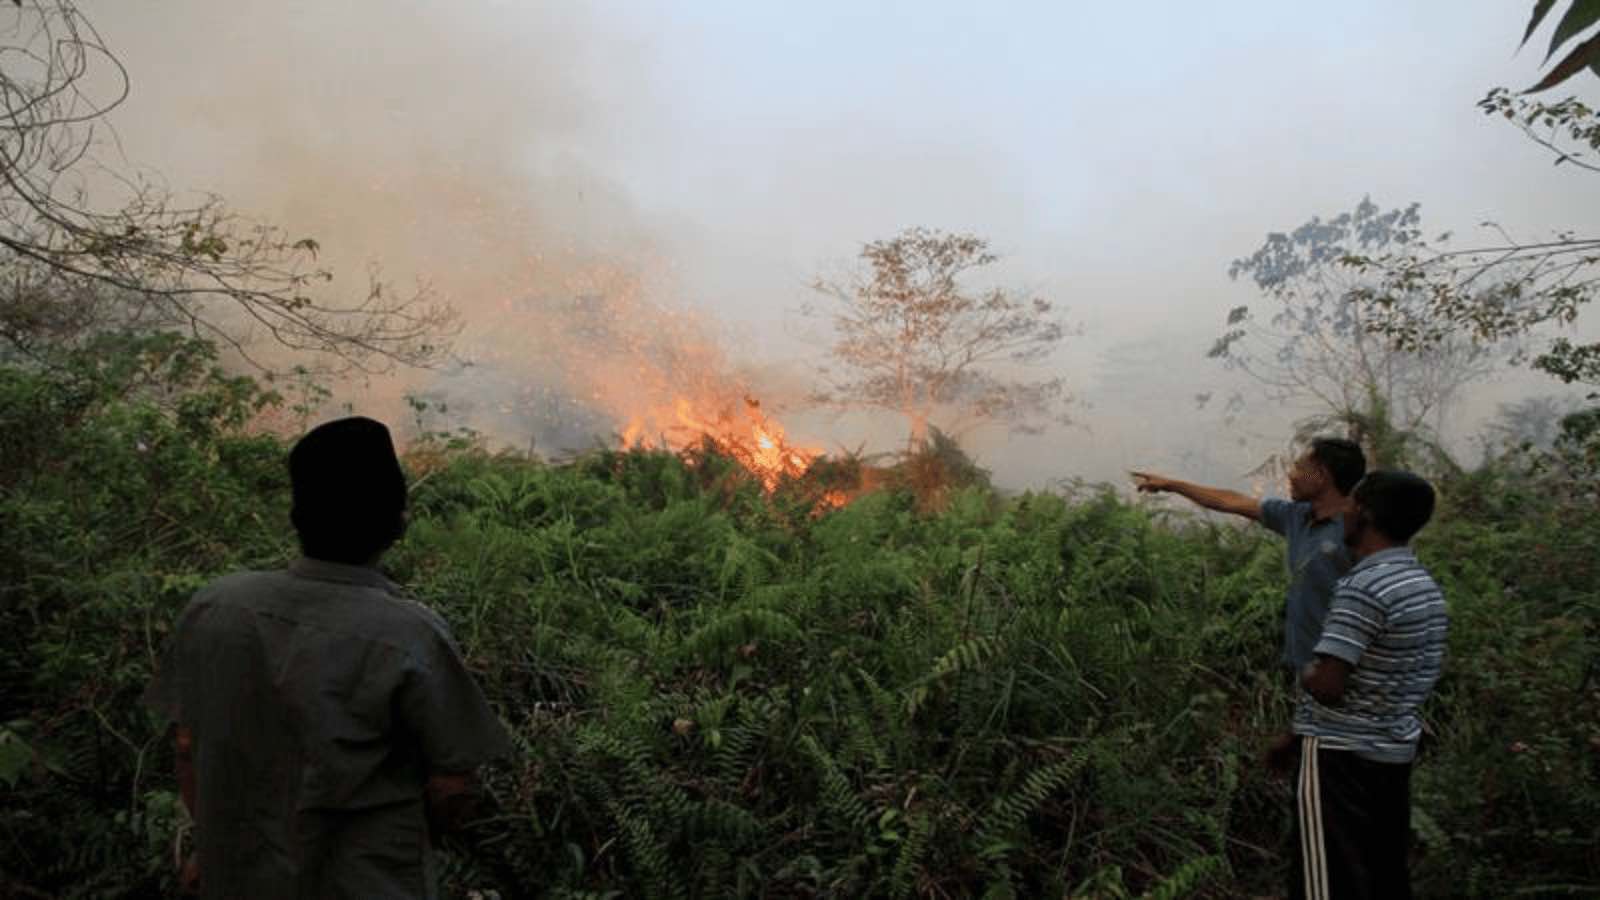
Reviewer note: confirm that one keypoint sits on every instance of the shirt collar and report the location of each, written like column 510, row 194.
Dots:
column 1311, row 516
column 1387, row 555
column 344, row 573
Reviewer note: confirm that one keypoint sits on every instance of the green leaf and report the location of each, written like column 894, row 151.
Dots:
column 1580, row 15
column 1586, row 55
column 1539, row 10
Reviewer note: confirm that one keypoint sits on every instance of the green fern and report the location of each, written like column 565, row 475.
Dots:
column 733, row 758
column 908, row 864
column 838, row 795
column 967, row 656
column 745, row 564
column 721, row 821
column 650, row 855
column 1007, row 812
column 718, row 639
column 1189, row 877
column 860, row 743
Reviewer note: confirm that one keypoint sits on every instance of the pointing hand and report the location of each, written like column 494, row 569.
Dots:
column 1150, row 484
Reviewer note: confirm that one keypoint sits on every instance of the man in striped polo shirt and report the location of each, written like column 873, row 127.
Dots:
column 1381, row 651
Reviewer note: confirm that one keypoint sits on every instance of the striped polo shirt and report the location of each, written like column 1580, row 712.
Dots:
column 1388, row 620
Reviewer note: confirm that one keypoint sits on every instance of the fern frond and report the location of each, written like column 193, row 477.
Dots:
column 966, row 656
column 1008, row 811
column 1187, row 880
column 838, row 795
column 908, row 863
column 716, row 641
column 649, row 854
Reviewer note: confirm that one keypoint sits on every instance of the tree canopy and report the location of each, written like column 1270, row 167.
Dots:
column 912, row 334
column 1314, row 343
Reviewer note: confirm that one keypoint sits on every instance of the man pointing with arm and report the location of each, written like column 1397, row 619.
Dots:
column 1311, row 521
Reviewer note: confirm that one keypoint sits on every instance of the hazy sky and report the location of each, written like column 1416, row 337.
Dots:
column 723, row 153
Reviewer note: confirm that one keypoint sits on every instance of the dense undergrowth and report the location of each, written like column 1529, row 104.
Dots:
column 715, row 692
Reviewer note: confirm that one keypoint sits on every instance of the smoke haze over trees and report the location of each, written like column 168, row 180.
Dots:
column 514, row 175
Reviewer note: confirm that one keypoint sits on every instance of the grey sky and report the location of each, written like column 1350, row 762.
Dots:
column 1118, row 155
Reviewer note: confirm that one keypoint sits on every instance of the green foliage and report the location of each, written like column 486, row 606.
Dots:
column 1419, row 297
column 718, row 693
column 1580, row 15
column 1321, row 338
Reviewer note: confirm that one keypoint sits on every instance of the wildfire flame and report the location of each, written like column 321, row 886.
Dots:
column 754, row 439
column 615, row 347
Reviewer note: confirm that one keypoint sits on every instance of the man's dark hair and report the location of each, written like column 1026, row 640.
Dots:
column 349, row 491
column 1343, row 459
column 1398, row 504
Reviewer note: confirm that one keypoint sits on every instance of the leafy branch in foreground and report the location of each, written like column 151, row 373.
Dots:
column 1504, row 289
column 1581, row 14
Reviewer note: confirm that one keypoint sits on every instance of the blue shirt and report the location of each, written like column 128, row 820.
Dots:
column 1317, row 559
column 1389, row 622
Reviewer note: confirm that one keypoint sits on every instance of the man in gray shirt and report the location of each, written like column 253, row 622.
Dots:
column 326, row 724
column 1311, row 521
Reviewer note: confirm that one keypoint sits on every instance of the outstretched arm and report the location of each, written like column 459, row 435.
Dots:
column 1219, row 499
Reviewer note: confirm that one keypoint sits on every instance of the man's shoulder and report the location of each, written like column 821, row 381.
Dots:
column 1399, row 566
column 1391, row 581
column 234, row 583
column 388, row 613
column 1296, row 514
column 1360, row 578
column 235, row 589
column 1283, row 516
column 404, row 611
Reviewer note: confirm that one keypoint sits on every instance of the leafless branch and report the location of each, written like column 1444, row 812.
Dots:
column 82, row 230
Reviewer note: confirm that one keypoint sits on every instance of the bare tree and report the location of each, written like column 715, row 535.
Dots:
column 910, row 335
column 85, row 247
column 1315, row 343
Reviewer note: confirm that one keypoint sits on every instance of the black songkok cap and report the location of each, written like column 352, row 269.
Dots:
column 347, row 468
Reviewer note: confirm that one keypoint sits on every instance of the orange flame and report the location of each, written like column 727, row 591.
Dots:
column 661, row 371
column 755, row 440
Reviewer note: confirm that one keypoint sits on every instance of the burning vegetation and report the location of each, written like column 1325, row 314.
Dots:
column 746, row 434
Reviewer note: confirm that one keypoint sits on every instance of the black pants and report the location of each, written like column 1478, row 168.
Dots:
column 1352, row 827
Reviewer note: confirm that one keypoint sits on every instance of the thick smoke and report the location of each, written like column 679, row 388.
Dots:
column 460, row 153
column 579, row 181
